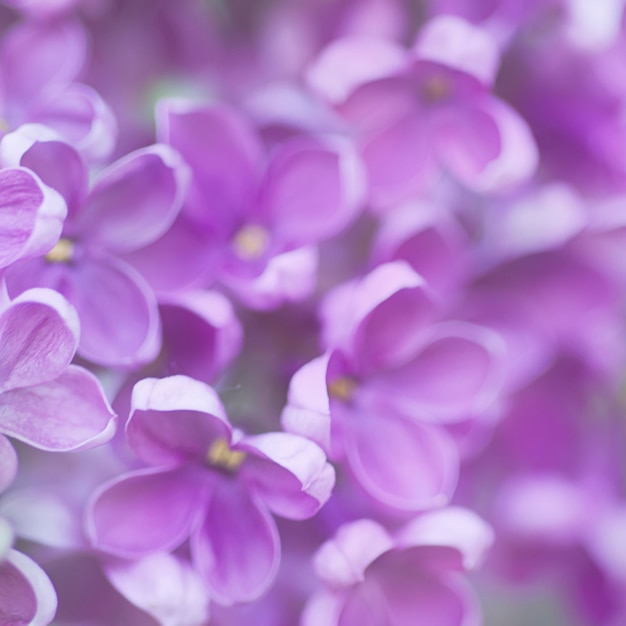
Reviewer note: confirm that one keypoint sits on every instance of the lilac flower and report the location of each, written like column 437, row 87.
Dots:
column 374, row 578
column 250, row 220
column 390, row 381
column 209, row 483
column 130, row 205
column 418, row 111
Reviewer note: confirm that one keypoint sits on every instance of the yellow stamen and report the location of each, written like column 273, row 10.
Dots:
column 251, row 241
column 435, row 89
column 220, row 455
column 4, row 125
column 342, row 388
column 63, row 252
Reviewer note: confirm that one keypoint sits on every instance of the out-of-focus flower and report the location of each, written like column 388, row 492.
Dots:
column 131, row 204
column 412, row 577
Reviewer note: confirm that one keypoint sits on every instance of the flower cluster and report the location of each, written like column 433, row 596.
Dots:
column 308, row 309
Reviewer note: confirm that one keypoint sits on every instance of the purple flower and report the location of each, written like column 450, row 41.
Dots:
column 209, row 483
column 418, row 111
column 412, row 577
column 252, row 220
column 391, row 380
column 131, row 204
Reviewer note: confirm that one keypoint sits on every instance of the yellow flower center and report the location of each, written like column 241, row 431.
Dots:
column 251, row 241
column 435, row 89
column 221, row 456
column 63, row 252
column 342, row 388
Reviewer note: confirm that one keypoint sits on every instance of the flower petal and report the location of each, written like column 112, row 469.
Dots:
column 227, row 172
column 26, row 593
column 135, row 200
column 38, row 334
column 402, row 464
column 236, row 548
column 312, row 191
column 8, row 467
column 82, row 117
column 120, row 323
column 288, row 472
column 455, row 372
column 308, row 409
column 455, row 528
column 68, row 413
column 164, row 586
column 455, row 43
column 31, row 216
column 174, row 419
column 143, row 512
column 350, row 62
column 342, row 561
